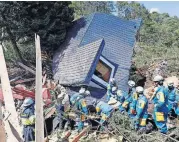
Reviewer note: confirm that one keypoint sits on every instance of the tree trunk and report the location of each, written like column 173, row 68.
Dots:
column 14, row 44
column 12, row 38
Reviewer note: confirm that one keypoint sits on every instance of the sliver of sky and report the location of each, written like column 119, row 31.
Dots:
column 170, row 7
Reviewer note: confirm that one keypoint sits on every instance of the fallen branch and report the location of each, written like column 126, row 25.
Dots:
column 76, row 138
column 26, row 68
column 24, row 81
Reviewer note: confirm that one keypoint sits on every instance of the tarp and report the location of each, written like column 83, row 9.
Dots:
column 20, row 92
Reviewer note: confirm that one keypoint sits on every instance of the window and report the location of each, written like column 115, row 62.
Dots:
column 104, row 71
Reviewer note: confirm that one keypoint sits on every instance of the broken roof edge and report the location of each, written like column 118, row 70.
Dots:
column 95, row 61
column 88, row 77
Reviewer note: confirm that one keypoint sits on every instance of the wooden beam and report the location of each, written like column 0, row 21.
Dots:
column 39, row 123
column 2, row 129
column 84, row 131
column 23, row 80
column 12, row 127
column 26, row 68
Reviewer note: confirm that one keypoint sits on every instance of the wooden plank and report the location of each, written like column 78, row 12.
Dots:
column 24, row 81
column 26, row 68
column 67, row 134
column 2, row 129
column 50, row 113
column 83, row 132
column 12, row 127
column 39, row 123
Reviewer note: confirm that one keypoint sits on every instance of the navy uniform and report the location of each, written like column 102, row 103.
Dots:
column 28, row 120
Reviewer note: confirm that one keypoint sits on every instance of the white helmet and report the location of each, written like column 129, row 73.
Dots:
column 87, row 93
column 28, row 102
column 158, row 78
column 114, row 89
column 82, row 90
column 131, row 83
column 170, row 83
column 139, row 89
column 112, row 81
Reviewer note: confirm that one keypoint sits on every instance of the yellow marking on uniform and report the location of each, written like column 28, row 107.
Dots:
column 141, row 104
column 83, row 103
column 104, row 117
column 142, row 122
column 160, row 96
column 125, row 104
column 97, row 109
column 159, row 116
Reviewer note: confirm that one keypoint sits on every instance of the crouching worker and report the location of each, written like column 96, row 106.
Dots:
column 28, row 120
column 112, row 83
column 79, row 104
column 126, row 99
column 62, row 118
column 141, row 111
column 104, row 110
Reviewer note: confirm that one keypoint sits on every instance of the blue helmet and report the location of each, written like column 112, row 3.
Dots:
column 28, row 102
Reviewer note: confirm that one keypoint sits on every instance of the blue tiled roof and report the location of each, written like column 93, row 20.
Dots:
column 119, row 38
column 77, row 64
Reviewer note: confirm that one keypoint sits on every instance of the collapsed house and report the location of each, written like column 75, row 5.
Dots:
column 97, row 47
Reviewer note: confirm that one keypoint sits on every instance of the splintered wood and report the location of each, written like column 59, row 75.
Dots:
column 39, row 123
column 12, row 127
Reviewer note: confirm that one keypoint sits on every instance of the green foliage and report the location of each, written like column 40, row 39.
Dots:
column 27, row 51
column 158, row 36
column 83, row 8
column 48, row 19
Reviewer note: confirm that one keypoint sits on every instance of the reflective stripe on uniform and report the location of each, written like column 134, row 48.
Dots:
column 135, row 96
column 97, row 109
column 26, row 121
column 160, row 96
column 83, row 103
column 159, row 116
column 141, row 104
column 125, row 104
column 103, row 116
column 142, row 122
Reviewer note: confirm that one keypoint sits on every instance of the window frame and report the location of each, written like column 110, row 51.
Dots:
column 99, row 80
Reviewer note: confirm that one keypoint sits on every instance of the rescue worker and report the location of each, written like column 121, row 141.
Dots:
column 62, row 104
column 172, row 99
column 131, row 85
column 126, row 99
column 177, row 100
column 160, row 104
column 132, row 105
column 79, row 103
column 28, row 120
column 104, row 110
column 141, row 110
column 113, row 93
column 112, row 83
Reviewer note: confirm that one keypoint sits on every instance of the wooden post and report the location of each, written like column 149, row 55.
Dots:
column 82, row 133
column 12, row 127
column 39, row 123
column 2, row 129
